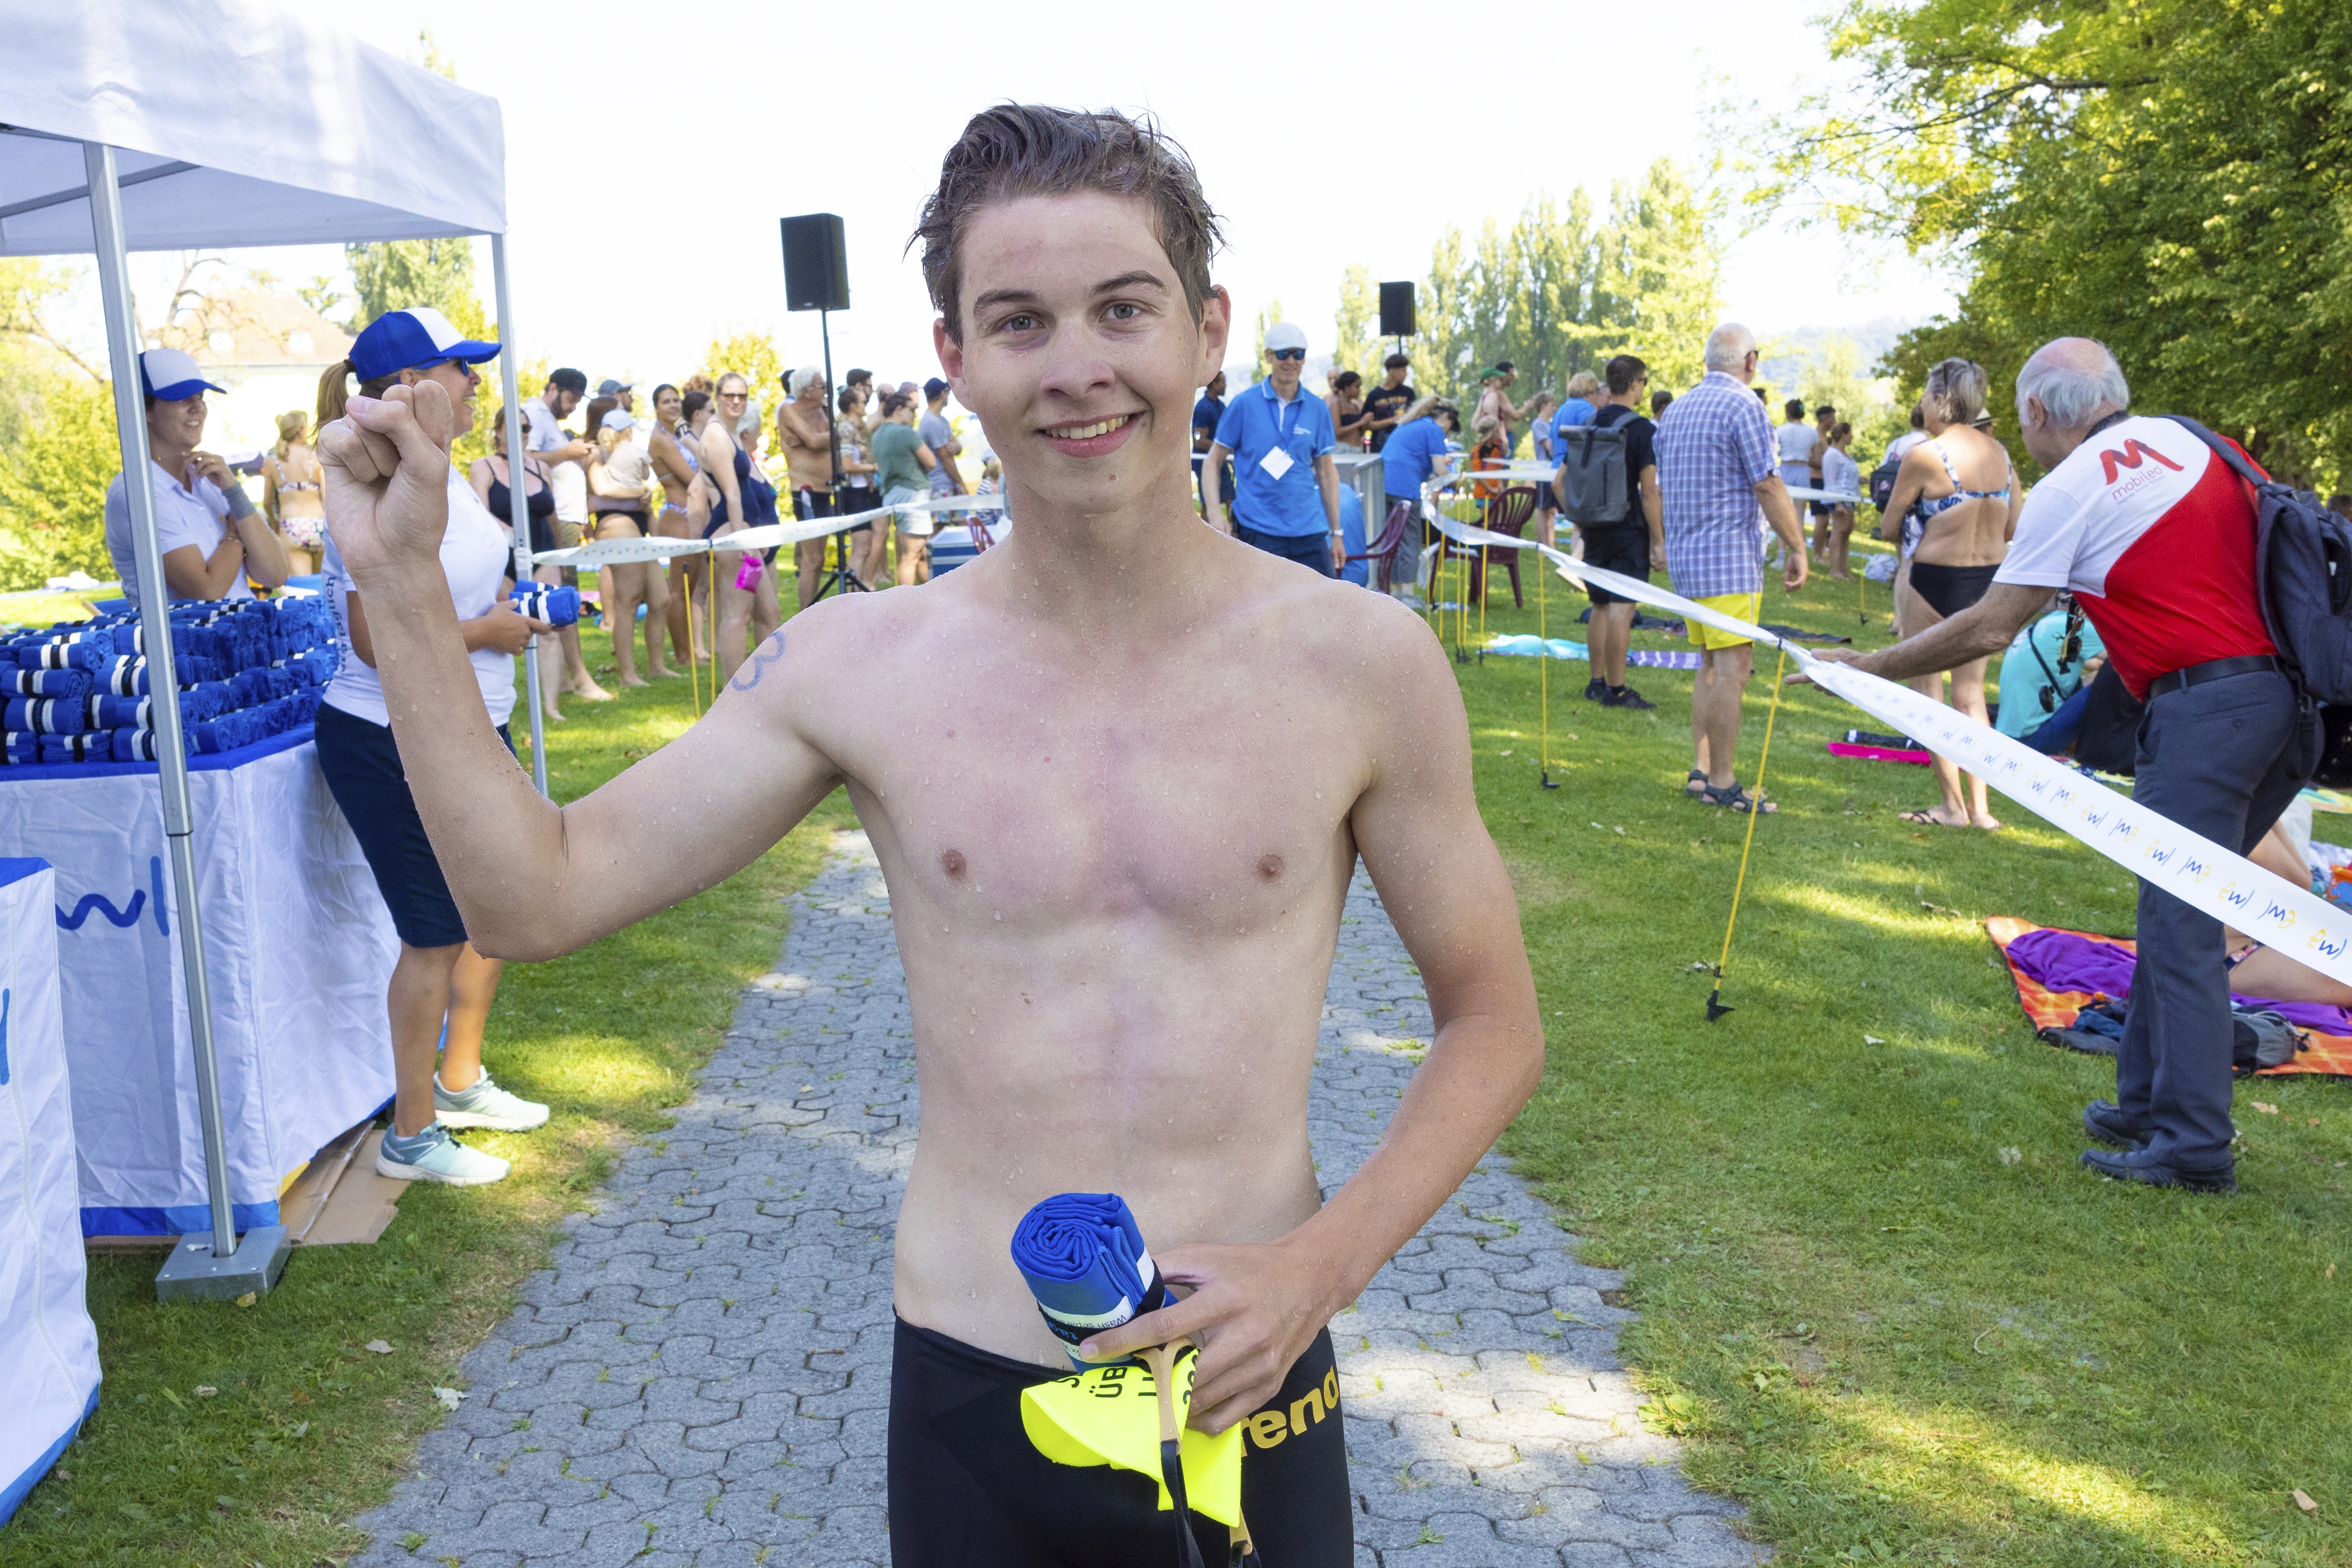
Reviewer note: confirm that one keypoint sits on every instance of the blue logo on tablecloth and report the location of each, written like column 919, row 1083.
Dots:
column 127, row 916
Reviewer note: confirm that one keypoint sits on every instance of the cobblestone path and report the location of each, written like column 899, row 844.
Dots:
column 703, row 1376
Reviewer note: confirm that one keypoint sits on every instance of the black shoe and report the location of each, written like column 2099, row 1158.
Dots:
column 1626, row 696
column 1596, row 689
column 2105, row 1121
column 2135, row 1165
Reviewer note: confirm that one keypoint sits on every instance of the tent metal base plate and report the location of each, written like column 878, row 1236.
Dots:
column 193, row 1273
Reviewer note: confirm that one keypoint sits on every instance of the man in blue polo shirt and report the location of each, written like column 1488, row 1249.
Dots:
column 1280, row 436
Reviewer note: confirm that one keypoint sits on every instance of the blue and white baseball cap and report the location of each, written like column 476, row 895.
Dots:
column 412, row 338
column 171, row 374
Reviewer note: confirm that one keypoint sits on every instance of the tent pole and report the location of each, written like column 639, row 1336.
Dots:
column 518, row 509
column 163, row 694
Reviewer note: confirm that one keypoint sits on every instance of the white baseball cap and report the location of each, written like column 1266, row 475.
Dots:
column 618, row 419
column 171, row 375
column 1286, row 335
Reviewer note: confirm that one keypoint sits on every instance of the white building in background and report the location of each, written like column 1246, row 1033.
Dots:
column 268, row 349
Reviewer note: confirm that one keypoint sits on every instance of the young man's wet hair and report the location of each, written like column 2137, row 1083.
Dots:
column 1018, row 149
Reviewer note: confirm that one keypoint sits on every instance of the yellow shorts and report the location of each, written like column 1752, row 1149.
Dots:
column 1739, row 606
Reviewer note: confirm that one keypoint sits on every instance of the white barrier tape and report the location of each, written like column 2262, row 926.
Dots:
column 2192, row 868
column 619, row 552
column 1800, row 493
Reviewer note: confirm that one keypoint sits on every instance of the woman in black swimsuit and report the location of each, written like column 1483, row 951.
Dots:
column 1958, row 485
column 489, row 478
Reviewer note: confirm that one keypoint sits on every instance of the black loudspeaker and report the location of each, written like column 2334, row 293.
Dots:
column 1396, row 310
column 816, row 263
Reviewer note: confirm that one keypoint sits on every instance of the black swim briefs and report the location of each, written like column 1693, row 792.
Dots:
column 967, row 1490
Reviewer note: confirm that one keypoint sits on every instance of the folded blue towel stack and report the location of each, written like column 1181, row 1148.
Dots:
column 1084, row 1258
column 556, row 606
column 247, row 669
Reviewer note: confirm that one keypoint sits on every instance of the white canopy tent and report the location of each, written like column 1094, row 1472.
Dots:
column 175, row 124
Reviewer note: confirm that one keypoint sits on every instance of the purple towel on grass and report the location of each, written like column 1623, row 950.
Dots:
column 2066, row 962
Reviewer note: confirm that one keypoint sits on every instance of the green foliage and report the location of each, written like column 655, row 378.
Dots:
column 2168, row 176
column 751, row 355
column 1833, row 376
column 1563, row 291
column 393, row 275
column 1355, row 342
column 53, row 480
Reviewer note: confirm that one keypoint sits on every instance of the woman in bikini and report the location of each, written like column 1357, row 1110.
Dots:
column 620, row 486
column 727, row 469
column 686, row 506
column 1966, row 496
column 289, row 493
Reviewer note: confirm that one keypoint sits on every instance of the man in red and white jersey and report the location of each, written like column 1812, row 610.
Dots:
column 2155, row 535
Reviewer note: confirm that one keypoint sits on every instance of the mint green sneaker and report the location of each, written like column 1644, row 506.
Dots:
column 434, row 1155
column 483, row 1103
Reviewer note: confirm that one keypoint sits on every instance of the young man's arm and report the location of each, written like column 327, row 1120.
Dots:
column 532, row 880
column 1417, row 826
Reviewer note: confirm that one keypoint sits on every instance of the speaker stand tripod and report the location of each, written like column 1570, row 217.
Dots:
column 840, row 577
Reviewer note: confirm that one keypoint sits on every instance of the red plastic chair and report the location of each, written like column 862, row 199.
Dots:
column 1508, row 513
column 1382, row 551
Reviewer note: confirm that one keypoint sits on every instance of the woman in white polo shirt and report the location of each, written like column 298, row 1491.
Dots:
column 211, row 534
column 439, row 979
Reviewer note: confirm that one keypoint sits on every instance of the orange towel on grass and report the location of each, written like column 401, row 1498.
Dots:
column 2330, row 1054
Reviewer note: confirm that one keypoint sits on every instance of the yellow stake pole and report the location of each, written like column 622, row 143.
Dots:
column 1714, row 1008
column 693, row 671
column 1543, row 667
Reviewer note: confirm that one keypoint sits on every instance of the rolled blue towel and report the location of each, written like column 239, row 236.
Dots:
column 556, row 606
column 133, row 744
column 121, row 712
column 1084, row 1257
column 26, row 683
column 76, row 748
column 19, row 747
column 47, row 716
column 127, row 677
column 88, row 655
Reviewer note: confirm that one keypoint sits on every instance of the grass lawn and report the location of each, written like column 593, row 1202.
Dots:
column 306, row 1428
column 1889, row 1342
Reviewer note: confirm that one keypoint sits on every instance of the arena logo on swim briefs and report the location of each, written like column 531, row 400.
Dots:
column 1268, row 1427
column 125, row 917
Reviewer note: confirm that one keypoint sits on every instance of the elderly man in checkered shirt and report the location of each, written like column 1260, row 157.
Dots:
column 1715, row 468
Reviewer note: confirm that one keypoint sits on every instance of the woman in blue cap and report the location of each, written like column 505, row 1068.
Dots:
column 211, row 535
column 439, row 981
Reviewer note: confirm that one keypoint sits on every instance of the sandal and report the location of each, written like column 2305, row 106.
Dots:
column 1924, row 816
column 1695, row 783
column 1735, row 797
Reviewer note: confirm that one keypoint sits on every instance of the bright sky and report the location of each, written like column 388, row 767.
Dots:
column 650, row 149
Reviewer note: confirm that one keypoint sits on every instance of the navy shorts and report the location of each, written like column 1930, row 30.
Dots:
column 1310, row 550
column 364, row 774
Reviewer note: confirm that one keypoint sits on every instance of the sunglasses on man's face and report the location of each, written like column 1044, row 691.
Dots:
column 1289, row 353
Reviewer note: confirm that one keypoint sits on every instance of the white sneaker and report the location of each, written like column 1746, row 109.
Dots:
column 439, row 1158
column 483, row 1103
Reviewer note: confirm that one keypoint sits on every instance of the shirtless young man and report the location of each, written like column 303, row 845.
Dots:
column 1116, row 849
column 805, row 435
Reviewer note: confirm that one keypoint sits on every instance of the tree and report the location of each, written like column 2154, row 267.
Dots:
column 53, row 482
column 1559, row 292
column 2168, row 176
column 395, row 275
column 1355, row 345
column 751, row 355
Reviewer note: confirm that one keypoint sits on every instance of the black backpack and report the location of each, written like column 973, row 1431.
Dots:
column 1595, row 487
column 2302, row 573
column 1881, row 482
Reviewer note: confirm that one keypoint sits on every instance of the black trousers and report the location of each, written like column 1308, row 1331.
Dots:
column 2222, row 759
